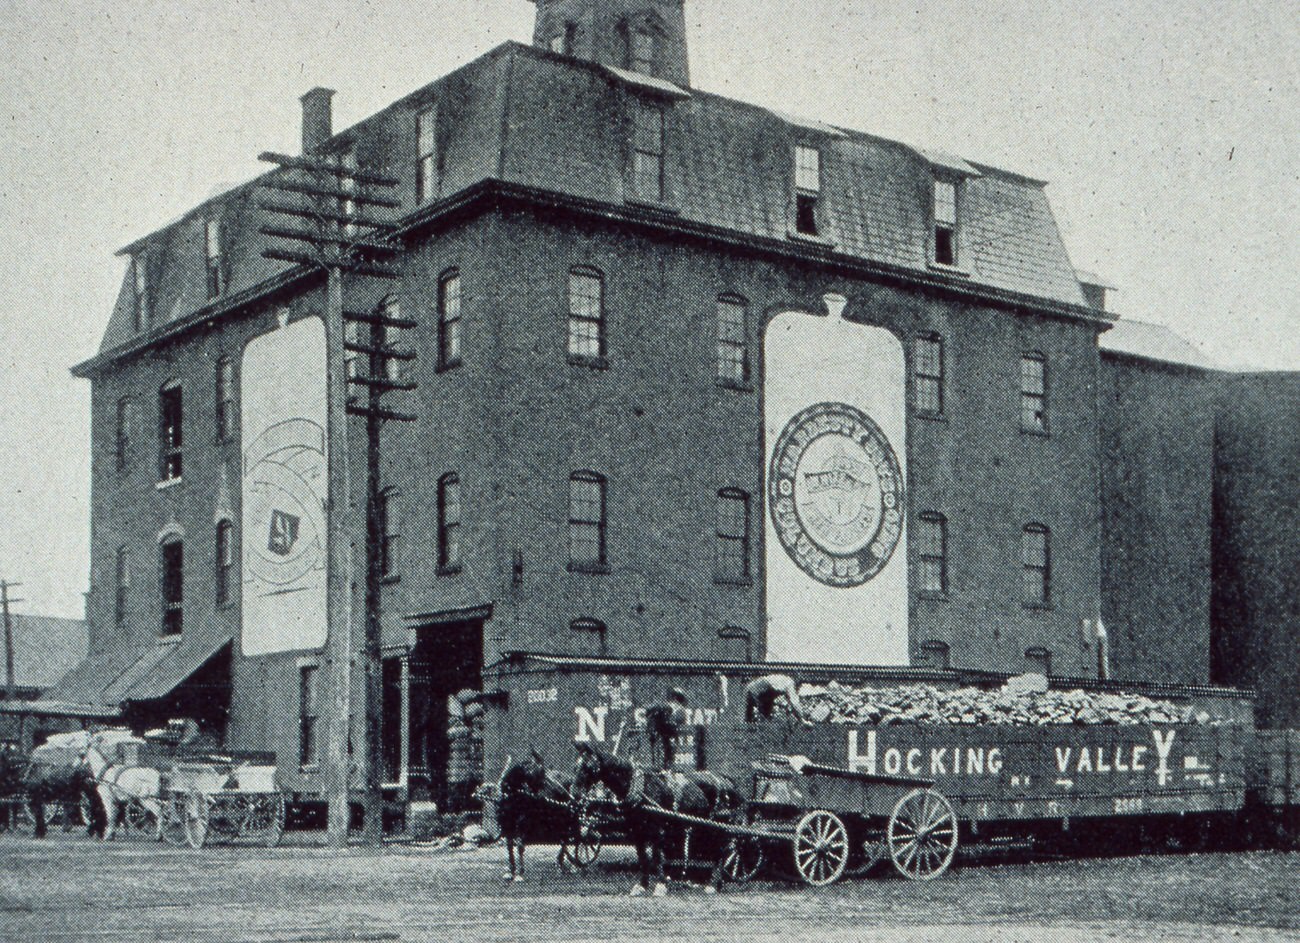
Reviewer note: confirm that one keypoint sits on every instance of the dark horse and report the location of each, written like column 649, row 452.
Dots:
column 56, row 772
column 533, row 801
column 643, row 795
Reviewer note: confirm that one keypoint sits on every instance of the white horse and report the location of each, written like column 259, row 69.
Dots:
column 118, row 784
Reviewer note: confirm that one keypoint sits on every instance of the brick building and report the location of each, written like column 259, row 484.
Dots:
column 695, row 378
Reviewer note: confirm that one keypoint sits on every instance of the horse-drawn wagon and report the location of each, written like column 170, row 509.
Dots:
column 226, row 796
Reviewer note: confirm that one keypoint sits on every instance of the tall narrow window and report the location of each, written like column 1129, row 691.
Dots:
column 1033, row 393
column 225, row 396
column 170, row 432
column 449, row 522
column 1038, row 660
column 308, row 706
column 122, row 438
column 928, row 374
column 731, row 560
column 945, row 222
column 225, row 562
column 807, row 188
column 216, row 262
column 586, row 314
column 426, row 136
column 449, row 319
column 121, row 584
column 932, row 553
column 641, row 52
column 389, row 530
column 565, row 40
column 647, row 150
column 733, row 349
column 173, row 587
column 351, row 338
column 934, row 654
column 140, row 289
column 1036, row 565
column 586, row 520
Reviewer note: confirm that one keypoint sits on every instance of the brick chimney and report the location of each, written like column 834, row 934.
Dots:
column 317, row 118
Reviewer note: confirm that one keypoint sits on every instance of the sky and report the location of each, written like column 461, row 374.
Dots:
column 1168, row 132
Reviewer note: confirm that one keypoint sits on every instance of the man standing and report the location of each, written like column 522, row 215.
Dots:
column 762, row 694
column 664, row 721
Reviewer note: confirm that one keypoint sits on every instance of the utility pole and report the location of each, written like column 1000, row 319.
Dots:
column 11, row 681
column 327, row 230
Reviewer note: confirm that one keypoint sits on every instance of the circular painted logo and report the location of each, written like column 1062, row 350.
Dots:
column 835, row 490
column 284, row 487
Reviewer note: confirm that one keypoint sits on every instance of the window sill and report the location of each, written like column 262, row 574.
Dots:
column 594, row 568
column 732, row 581
column 932, row 595
column 224, row 606
column 388, row 579
column 656, row 206
column 740, row 386
column 812, row 239
column 168, row 483
column 930, row 416
column 1038, row 606
column 949, row 269
column 450, row 569
column 447, row 366
column 1037, row 433
column 592, row 363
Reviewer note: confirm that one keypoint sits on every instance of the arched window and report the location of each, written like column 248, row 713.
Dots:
column 225, row 556
column 449, row 323
column 449, row 522
column 934, row 654
column 733, row 340
column 1036, row 565
column 124, row 430
column 172, row 559
column 731, row 558
column 932, row 553
column 1033, row 393
column 225, row 399
column 586, row 314
column 586, row 520
column 170, row 431
column 927, row 374
column 641, row 50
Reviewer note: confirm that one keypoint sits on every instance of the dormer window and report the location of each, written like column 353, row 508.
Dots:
column 564, row 41
column 426, row 137
column 641, row 52
column 647, row 150
column 140, row 289
column 807, row 188
column 945, row 222
column 215, row 262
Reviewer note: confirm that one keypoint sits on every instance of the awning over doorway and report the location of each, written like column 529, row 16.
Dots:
column 108, row 679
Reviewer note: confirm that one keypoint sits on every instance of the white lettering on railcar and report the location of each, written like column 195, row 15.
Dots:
column 591, row 724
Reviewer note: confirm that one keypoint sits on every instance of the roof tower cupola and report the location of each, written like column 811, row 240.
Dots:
column 646, row 36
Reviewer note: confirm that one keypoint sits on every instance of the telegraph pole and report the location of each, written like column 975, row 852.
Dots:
column 327, row 230
column 11, row 682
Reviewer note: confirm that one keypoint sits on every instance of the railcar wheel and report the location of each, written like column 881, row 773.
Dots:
column 195, row 813
column 821, row 847
column 743, row 859
column 922, row 835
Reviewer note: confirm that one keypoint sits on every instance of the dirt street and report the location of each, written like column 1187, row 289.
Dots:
column 71, row 889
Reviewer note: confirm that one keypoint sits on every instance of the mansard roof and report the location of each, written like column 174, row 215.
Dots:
column 550, row 125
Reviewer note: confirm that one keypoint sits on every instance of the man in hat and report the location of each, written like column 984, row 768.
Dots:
column 664, row 721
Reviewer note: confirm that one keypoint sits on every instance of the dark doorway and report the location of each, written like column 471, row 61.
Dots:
column 447, row 659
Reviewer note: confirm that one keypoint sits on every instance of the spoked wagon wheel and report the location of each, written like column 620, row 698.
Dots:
column 743, row 859
column 922, row 835
column 821, row 847
column 264, row 818
column 196, row 808
column 173, row 819
column 583, row 848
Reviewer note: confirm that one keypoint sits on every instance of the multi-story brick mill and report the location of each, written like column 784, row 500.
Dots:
column 695, row 379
